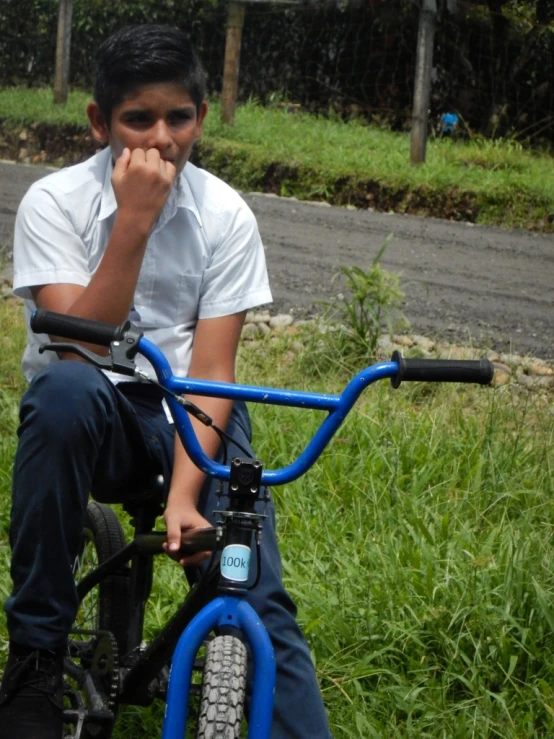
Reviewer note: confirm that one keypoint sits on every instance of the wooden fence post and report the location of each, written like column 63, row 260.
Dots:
column 422, row 82
column 235, row 22
column 63, row 43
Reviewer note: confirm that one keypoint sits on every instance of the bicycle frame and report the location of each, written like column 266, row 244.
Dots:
column 137, row 681
column 230, row 608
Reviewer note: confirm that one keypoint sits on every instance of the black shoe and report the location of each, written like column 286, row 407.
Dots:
column 31, row 696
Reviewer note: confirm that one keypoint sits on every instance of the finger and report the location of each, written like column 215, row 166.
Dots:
column 169, row 170
column 173, row 536
column 153, row 157
column 122, row 162
column 138, row 155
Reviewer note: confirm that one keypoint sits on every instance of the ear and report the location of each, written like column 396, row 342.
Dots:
column 100, row 129
column 200, row 120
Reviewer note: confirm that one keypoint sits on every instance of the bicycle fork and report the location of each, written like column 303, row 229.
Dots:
column 229, row 609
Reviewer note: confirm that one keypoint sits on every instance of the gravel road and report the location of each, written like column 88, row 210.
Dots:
column 461, row 281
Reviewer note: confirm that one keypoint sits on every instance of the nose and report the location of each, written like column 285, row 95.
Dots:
column 160, row 138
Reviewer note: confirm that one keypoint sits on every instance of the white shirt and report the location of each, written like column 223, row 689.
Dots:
column 204, row 257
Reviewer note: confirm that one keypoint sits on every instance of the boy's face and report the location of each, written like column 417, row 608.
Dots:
column 160, row 116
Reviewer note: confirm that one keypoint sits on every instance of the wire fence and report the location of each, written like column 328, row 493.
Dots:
column 349, row 57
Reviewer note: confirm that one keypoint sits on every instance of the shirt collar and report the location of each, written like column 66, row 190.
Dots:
column 180, row 196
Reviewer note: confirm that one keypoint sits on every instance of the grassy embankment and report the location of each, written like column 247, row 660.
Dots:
column 419, row 549
column 493, row 182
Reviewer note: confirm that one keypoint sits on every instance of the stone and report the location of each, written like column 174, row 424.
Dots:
column 403, row 340
column 500, row 367
column 428, row 345
column 500, row 377
column 423, row 354
column 526, row 380
column 511, row 358
column 461, row 352
column 23, row 135
column 385, row 345
column 263, row 329
column 535, row 367
column 282, row 320
column 250, row 331
column 544, row 382
column 261, row 317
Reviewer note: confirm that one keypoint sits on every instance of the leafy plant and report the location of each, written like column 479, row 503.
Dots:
column 371, row 301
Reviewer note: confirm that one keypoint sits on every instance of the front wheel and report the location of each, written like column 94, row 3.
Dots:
column 223, row 689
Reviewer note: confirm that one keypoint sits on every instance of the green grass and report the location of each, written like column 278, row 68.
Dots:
column 311, row 157
column 419, row 550
column 343, row 149
column 24, row 106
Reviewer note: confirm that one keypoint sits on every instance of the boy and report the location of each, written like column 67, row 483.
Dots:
column 133, row 232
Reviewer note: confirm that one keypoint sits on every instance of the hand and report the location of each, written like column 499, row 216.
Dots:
column 142, row 181
column 179, row 518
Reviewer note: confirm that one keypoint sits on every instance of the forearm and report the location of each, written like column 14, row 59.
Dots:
column 110, row 292
column 141, row 183
column 213, row 358
column 187, row 479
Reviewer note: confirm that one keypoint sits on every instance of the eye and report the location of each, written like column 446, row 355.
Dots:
column 179, row 117
column 137, row 119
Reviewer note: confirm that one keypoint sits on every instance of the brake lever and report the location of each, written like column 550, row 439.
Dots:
column 117, row 361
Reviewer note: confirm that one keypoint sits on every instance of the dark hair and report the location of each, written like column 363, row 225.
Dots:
column 144, row 55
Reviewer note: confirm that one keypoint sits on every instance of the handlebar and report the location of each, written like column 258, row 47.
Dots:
column 441, row 370
column 72, row 327
column 338, row 406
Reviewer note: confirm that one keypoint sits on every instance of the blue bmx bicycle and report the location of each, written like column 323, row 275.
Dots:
column 108, row 663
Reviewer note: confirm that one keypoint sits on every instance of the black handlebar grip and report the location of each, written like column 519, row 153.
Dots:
column 200, row 540
column 72, row 327
column 478, row 371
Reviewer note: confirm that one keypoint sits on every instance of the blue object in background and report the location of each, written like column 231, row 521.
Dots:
column 449, row 123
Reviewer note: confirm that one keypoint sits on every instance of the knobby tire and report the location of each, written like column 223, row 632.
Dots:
column 223, row 689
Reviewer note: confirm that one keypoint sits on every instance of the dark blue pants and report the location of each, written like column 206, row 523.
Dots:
column 78, row 433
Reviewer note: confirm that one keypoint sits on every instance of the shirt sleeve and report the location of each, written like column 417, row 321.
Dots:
column 47, row 249
column 236, row 276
